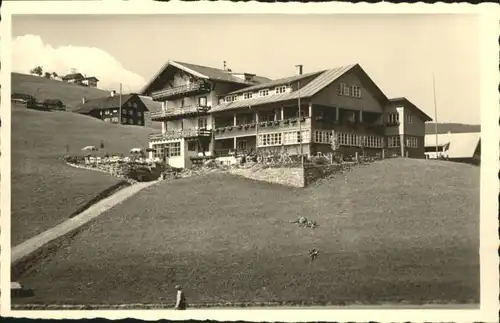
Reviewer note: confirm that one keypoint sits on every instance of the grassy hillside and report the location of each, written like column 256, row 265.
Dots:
column 43, row 88
column 430, row 128
column 397, row 230
column 45, row 191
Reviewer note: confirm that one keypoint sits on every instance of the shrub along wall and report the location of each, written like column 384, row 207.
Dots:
column 314, row 172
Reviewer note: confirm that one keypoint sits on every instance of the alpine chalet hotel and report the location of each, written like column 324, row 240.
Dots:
column 213, row 112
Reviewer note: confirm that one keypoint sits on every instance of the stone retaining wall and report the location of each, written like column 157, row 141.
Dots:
column 114, row 169
column 289, row 176
column 285, row 176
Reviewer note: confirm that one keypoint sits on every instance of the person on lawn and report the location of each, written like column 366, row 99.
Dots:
column 180, row 304
column 313, row 254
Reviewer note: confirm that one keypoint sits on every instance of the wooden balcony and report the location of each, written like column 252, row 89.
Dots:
column 179, row 134
column 180, row 91
column 190, row 110
column 263, row 127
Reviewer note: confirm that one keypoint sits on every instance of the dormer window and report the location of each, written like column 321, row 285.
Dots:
column 280, row 89
column 249, row 77
column 264, row 92
column 247, row 95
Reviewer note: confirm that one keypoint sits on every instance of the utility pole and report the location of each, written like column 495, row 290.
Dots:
column 120, row 110
column 300, row 127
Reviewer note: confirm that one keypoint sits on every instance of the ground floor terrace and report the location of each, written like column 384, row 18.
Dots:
column 310, row 130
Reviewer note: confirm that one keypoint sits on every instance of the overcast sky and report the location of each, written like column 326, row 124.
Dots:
column 399, row 52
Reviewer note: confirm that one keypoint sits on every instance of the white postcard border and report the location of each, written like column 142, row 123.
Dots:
column 490, row 31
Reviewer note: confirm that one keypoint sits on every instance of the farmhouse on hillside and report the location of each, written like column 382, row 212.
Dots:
column 89, row 81
column 217, row 112
column 21, row 98
column 78, row 78
column 459, row 147
column 73, row 78
column 108, row 109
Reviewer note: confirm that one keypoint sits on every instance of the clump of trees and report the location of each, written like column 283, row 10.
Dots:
column 38, row 70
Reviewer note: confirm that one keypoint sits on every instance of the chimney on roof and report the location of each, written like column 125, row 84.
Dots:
column 224, row 65
column 84, row 100
column 113, row 92
column 299, row 69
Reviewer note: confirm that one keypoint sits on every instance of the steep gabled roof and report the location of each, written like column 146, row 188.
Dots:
column 103, row 103
column 413, row 107
column 322, row 80
column 151, row 105
column 275, row 83
column 204, row 72
column 216, row 74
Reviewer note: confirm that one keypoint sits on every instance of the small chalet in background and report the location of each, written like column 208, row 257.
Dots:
column 73, row 78
column 89, row 81
column 54, row 104
column 108, row 109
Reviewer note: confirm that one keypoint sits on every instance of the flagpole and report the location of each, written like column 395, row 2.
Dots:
column 435, row 116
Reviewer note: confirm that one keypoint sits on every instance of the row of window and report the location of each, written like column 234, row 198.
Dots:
column 132, row 105
column 201, row 101
column 322, row 137
column 346, row 139
column 131, row 121
column 349, row 90
column 261, row 93
column 124, row 112
column 283, row 138
column 171, row 149
column 202, row 124
column 393, row 117
column 350, row 139
column 124, row 120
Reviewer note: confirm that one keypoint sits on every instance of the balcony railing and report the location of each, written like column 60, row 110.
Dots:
column 391, row 124
column 265, row 126
column 179, row 134
column 175, row 112
column 180, row 91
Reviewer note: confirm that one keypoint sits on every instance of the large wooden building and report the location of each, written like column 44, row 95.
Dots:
column 108, row 109
column 208, row 111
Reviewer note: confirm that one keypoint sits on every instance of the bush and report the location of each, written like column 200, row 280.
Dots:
column 320, row 160
column 71, row 159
